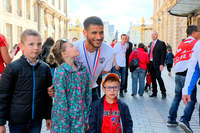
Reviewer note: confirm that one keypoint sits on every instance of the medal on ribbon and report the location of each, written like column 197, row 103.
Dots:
column 92, row 69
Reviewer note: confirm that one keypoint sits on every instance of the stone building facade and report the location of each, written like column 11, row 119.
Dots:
column 49, row 17
column 171, row 29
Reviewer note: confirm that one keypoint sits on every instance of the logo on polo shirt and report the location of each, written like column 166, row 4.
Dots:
column 101, row 60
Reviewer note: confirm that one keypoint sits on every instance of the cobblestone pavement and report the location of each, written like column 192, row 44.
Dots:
column 150, row 114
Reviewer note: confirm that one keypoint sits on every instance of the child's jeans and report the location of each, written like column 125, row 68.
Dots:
column 32, row 127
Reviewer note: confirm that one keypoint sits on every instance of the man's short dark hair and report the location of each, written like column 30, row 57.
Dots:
column 191, row 29
column 141, row 45
column 123, row 35
column 93, row 20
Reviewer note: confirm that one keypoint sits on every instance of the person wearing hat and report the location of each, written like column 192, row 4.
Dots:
column 109, row 114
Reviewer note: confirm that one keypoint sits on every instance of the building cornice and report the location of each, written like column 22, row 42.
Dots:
column 165, row 7
column 51, row 10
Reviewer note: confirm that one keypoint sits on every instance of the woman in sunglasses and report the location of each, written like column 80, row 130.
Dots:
column 72, row 91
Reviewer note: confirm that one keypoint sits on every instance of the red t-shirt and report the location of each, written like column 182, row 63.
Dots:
column 3, row 43
column 111, row 118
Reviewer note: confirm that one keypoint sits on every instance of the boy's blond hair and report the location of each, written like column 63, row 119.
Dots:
column 29, row 32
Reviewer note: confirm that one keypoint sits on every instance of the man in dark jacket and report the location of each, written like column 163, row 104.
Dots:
column 128, row 52
column 157, row 55
column 24, row 100
column 110, row 114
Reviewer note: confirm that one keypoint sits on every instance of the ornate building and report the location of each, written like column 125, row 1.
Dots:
column 171, row 29
column 75, row 31
column 49, row 17
column 140, row 33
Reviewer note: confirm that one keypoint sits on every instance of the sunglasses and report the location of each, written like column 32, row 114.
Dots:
column 62, row 41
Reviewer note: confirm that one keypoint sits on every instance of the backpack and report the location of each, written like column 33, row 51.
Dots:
column 134, row 63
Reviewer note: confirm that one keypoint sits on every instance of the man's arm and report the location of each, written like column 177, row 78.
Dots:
column 114, row 61
column 5, row 55
column 163, row 53
column 192, row 76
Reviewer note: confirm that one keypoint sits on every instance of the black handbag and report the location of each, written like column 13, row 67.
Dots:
column 134, row 63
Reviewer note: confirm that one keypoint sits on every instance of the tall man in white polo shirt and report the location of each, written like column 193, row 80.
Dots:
column 94, row 54
column 120, row 61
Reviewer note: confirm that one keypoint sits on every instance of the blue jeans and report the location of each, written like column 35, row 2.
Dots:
column 138, row 74
column 199, row 114
column 122, row 74
column 180, row 80
column 32, row 127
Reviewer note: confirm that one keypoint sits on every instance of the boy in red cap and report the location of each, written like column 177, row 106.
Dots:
column 109, row 114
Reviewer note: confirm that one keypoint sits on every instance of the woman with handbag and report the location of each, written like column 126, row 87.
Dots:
column 138, row 61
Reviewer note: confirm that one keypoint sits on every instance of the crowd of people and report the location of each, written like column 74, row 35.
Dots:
column 61, row 82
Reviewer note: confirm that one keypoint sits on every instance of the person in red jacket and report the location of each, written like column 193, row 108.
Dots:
column 5, row 57
column 140, row 72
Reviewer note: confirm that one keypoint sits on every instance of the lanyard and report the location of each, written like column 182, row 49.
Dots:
column 96, row 60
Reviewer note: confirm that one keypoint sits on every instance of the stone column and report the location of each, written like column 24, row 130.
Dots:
column 42, row 23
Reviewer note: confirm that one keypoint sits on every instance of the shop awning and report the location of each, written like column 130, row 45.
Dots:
column 185, row 7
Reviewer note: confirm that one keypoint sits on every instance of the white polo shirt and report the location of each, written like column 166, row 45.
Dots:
column 120, row 52
column 105, row 59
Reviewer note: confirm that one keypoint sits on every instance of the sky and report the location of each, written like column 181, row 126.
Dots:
column 118, row 12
